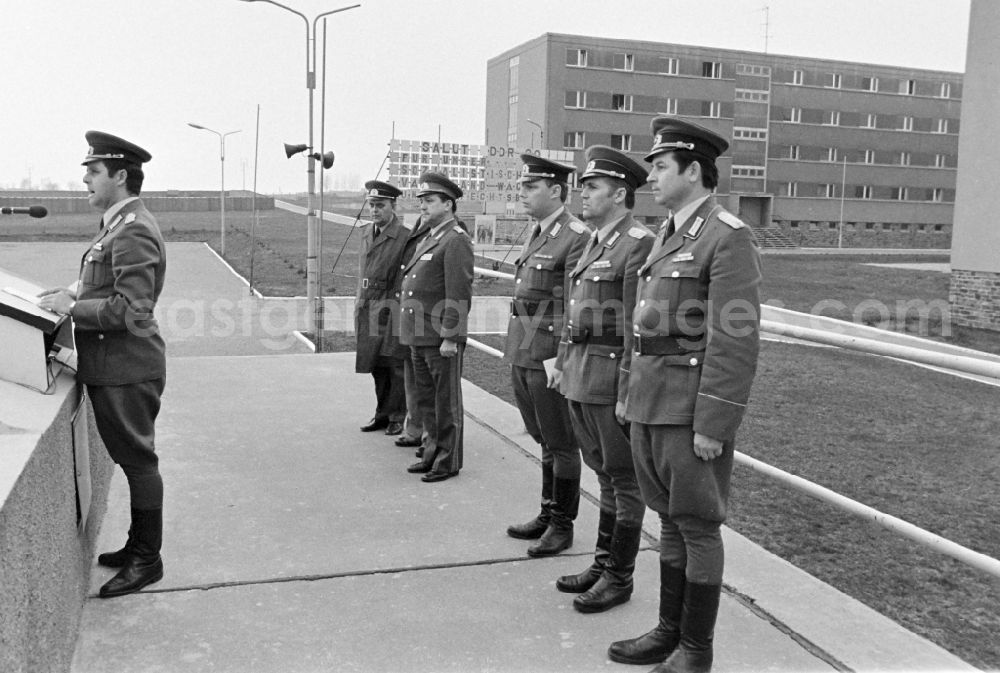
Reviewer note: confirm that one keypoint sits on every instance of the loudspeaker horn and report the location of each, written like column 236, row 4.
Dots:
column 327, row 158
column 294, row 149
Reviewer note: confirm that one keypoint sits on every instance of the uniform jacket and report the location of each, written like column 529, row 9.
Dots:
column 541, row 277
column 602, row 295
column 121, row 275
column 700, row 290
column 436, row 291
column 375, row 309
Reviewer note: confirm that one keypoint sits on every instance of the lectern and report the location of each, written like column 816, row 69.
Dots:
column 33, row 342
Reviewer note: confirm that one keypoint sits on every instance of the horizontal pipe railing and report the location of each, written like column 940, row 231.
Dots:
column 923, row 537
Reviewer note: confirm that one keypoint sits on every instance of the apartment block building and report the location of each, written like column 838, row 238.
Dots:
column 824, row 152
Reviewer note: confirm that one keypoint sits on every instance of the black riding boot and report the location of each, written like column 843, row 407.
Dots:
column 565, row 505
column 656, row 645
column 694, row 653
column 533, row 529
column 143, row 565
column 116, row 559
column 614, row 587
column 577, row 584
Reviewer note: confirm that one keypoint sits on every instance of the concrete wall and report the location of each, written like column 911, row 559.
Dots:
column 76, row 202
column 45, row 563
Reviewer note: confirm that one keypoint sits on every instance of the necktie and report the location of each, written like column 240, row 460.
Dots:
column 592, row 243
column 670, row 228
column 376, row 233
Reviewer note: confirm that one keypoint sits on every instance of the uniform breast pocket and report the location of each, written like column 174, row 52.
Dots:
column 96, row 268
column 601, row 370
column 606, row 285
column 679, row 284
column 543, row 274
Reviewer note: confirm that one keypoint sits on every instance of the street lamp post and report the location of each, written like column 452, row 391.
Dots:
column 222, row 187
column 541, row 132
column 314, row 321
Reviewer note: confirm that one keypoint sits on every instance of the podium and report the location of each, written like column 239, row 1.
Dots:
column 29, row 335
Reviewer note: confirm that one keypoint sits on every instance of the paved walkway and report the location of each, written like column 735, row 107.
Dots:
column 294, row 543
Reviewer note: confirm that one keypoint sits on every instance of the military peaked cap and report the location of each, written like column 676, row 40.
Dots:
column 607, row 162
column 537, row 168
column 671, row 133
column 106, row 146
column 376, row 189
column 438, row 183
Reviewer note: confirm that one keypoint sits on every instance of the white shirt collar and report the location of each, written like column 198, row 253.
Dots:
column 110, row 213
column 544, row 225
column 435, row 230
column 682, row 215
column 603, row 232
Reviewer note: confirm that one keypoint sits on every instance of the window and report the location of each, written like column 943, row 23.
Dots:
column 793, row 152
column 624, row 62
column 863, row 192
column 831, row 118
column 797, row 77
column 869, row 157
column 904, row 226
column 942, row 126
column 749, row 134
column 792, row 189
column 831, row 154
column 795, row 115
column 669, row 65
column 831, row 225
column 938, row 227
column 904, row 158
column 898, row 194
column 939, row 161
column 748, row 69
column 576, row 99
column 711, row 69
column 869, row 83
column 937, row 195
column 513, row 67
column 623, row 142
column 907, row 87
column 871, row 121
column 945, row 91
column 748, row 172
column 576, row 57
column 907, row 124
column 574, row 140
column 832, row 80
column 711, row 108
column 752, row 96
column 829, row 191
column 621, row 102
column 869, row 225
column 669, row 106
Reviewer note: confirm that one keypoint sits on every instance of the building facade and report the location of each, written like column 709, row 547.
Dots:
column 821, row 152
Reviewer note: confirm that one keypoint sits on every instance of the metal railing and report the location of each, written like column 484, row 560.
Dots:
column 970, row 557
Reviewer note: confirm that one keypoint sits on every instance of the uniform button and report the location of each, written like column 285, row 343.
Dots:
column 612, row 356
column 539, row 266
column 411, row 310
column 550, row 328
column 410, row 293
column 572, row 301
column 642, row 302
column 100, row 336
column 596, row 278
column 694, row 361
column 570, row 322
column 397, row 294
column 402, row 266
column 577, row 282
column 636, row 327
column 649, row 278
column 518, row 280
column 675, row 274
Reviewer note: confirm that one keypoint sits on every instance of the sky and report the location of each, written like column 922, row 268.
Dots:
column 144, row 69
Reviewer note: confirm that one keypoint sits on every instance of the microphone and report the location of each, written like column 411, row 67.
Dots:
column 34, row 211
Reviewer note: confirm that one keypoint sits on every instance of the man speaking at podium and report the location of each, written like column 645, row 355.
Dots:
column 120, row 353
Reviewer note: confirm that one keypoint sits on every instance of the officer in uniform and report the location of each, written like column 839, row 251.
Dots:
column 379, row 351
column 120, row 353
column 435, row 297
column 541, row 275
column 690, row 360
column 602, row 294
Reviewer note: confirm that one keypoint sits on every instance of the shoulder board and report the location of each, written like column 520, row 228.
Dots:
column 731, row 220
column 578, row 226
column 129, row 218
column 638, row 232
column 458, row 229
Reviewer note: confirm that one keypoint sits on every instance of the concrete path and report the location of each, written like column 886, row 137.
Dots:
column 295, row 543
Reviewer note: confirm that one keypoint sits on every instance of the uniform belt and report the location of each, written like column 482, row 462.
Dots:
column 667, row 345
column 584, row 336
column 530, row 309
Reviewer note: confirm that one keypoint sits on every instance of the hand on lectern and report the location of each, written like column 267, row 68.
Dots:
column 57, row 300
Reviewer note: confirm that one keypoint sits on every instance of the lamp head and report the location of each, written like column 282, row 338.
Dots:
column 196, row 126
column 291, row 149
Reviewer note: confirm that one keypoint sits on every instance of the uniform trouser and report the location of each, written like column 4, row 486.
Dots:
column 604, row 444
column 546, row 417
column 126, row 419
column 390, row 389
column 688, row 493
column 439, row 402
column 413, row 425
